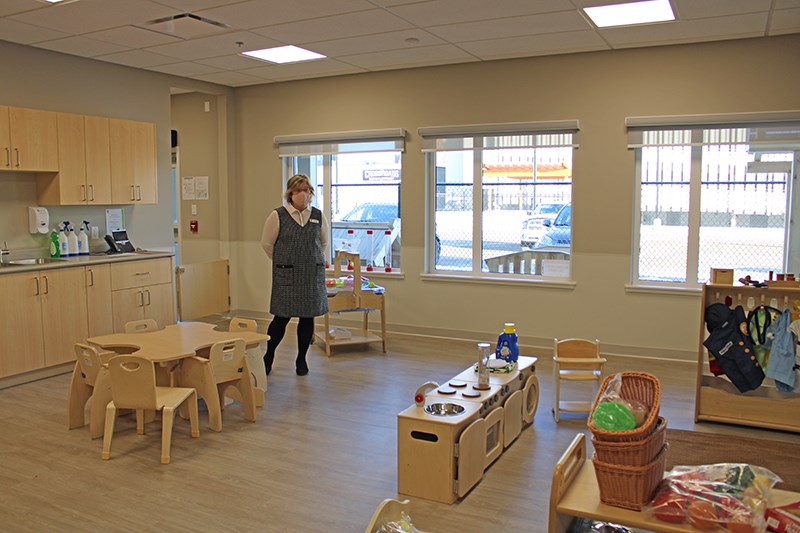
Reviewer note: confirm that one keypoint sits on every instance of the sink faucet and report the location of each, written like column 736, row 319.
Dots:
column 4, row 252
column 419, row 396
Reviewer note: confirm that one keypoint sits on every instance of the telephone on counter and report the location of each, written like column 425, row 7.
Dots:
column 118, row 242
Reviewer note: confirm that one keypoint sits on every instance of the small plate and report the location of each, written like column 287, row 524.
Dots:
column 496, row 363
column 446, row 390
column 458, row 384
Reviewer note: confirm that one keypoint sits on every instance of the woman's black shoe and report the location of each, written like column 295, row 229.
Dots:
column 268, row 362
column 301, row 367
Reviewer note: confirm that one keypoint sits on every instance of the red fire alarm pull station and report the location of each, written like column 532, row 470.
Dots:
column 193, row 226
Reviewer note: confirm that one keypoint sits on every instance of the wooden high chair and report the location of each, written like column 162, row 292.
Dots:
column 225, row 367
column 133, row 386
column 575, row 360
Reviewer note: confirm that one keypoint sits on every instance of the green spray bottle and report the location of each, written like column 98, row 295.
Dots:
column 55, row 248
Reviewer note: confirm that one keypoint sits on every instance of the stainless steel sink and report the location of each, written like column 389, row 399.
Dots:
column 444, row 409
column 34, row 261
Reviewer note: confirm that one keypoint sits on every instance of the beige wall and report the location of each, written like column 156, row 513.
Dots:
column 598, row 89
column 57, row 82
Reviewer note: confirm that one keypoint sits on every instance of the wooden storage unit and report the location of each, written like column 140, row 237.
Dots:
column 717, row 399
column 98, row 300
column 142, row 289
column 29, row 139
column 574, row 493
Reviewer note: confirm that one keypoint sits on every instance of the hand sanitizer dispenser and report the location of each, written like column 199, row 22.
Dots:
column 39, row 220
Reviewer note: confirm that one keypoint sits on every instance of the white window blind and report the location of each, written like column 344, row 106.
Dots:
column 339, row 142
column 560, row 133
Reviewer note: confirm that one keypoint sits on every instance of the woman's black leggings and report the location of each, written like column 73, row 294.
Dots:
column 276, row 330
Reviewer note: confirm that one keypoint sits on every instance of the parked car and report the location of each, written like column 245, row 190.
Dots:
column 534, row 227
column 559, row 231
column 378, row 217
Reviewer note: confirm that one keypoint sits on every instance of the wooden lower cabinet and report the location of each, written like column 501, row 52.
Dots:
column 151, row 301
column 98, row 300
column 46, row 316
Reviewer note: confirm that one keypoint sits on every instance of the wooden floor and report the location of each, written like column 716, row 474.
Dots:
column 320, row 457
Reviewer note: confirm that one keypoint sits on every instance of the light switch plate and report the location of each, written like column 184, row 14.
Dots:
column 95, row 234
column 194, row 209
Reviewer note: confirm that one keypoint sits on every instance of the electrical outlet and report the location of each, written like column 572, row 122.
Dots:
column 95, row 234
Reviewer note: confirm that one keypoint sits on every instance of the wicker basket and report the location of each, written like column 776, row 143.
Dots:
column 642, row 387
column 629, row 487
column 637, row 453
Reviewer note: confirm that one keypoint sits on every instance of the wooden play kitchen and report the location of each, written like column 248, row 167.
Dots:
column 456, row 430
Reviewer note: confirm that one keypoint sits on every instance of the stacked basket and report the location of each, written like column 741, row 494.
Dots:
column 629, row 465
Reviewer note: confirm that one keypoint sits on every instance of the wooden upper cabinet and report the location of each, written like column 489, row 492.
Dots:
column 98, row 160
column 84, row 167
column 33, row 136
column 133, row 162
column 5, row 139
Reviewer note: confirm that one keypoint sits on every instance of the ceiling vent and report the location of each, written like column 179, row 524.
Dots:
column 185, row 26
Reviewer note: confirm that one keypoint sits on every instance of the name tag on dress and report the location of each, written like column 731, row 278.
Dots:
column 314, row 220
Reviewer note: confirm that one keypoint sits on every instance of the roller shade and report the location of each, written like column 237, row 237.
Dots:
column 776, row 130
column 561, row 133
column 341, row 142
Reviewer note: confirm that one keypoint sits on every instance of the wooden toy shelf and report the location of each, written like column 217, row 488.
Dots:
column 717, row 399
column 574, row 493
column 355, row 299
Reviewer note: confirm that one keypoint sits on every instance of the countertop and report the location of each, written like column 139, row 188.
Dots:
column 84, row 260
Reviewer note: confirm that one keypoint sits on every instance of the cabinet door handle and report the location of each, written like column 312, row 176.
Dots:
column 8, row 156
column 139, row 193
column 83, row 193
column 36, row 279
column 17, row 152
column 141, row 299
column 91, row 277
column 91, row 193
column 148, row 296
column 46, row 285
column 142, row 273
column 133, row 194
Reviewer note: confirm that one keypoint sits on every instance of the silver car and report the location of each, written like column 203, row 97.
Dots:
column 534, row 227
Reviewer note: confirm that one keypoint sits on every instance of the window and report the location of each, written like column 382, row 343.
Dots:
column 495, row 193
column 357, row 178
column 713, row 192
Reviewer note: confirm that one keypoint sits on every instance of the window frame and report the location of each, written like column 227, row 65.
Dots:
column 782, row 126
column 472, row 138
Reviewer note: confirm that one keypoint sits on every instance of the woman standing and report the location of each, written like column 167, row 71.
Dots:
column 295, row 237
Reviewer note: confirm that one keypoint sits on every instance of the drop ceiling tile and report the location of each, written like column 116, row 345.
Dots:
column 132, row 37
column 374, row 43
column 19, row 32
column 511, row 27
column 786, row 4
column 785, row 21
column 193, row 5
column 9, row 7
column 438, row 12
column 80, row 46
column 259, row 13
column 412, row 57
column 214, row 46
column 230, row 62
column 334, row 27
column 698, row 30
column 94, row 15
column 693, row 9
column 137, row 58
column 536, row 45
column 233, row 79
column 185, row 68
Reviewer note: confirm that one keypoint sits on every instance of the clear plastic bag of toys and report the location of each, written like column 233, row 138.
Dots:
column 615, row 413
column 724, row 496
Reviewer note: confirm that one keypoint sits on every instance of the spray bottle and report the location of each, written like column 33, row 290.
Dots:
column 72, row 239
column 55, row 247
column 507, row 346
column 83, row 238
column 63, row 243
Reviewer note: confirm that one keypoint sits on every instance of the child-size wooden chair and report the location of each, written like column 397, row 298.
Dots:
column 133, row 386
column 225, row 367
column 89, row 364
column 575, row 360
column 255, row 360
column 141, row 326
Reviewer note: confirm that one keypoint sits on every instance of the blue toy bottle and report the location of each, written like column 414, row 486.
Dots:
column 507, row 345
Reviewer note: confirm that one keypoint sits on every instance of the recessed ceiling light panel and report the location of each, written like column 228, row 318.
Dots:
column 630, row 13
column 283, row 54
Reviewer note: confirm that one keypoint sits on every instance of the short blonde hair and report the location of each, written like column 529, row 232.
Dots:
column 295, row 182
